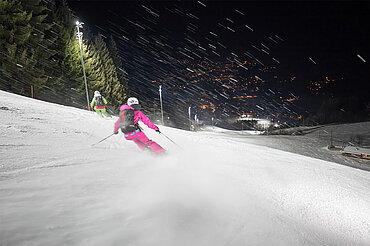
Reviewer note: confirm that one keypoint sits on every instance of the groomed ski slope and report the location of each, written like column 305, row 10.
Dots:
column 56, row 189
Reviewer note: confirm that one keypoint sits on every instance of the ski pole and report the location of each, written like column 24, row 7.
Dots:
column 170, row 140
column 111, row 111
column 103, row 139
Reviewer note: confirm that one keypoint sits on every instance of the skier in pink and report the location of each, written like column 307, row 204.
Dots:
column 128, row 119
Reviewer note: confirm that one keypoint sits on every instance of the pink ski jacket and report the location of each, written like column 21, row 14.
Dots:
column 138, row 116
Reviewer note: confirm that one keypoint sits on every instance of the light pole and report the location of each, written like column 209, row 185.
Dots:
column 79, row 36
column 160, row 98
column 190, row 118
column 196, row 122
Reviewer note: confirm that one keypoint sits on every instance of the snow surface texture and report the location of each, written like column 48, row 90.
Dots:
column 56, row 189
column 314, row 144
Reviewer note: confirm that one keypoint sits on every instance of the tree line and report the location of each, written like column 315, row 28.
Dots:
column 40, row 52
column 339, row 110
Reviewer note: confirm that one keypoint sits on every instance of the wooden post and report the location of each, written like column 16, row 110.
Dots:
column 331, row 137
column 32, row 91
column 331, row 146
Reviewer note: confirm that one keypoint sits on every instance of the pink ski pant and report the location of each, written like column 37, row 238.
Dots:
column 143, row 141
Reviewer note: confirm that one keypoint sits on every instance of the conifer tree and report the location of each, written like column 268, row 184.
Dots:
column 111, row 87
column 122, row 75
column 23, row 43
column 94, row 68
column 15, row 30
column 38, row 47
column 57, row 88
column 72, row 67
column 39, row 52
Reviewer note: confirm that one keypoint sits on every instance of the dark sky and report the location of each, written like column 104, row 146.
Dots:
column 306, row 39
column 332, row 33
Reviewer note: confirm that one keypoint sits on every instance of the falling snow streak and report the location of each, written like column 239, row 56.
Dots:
column 257, row 77
column 193, row 26
column 222, row 25
column 230, row 29
column 275, row 60
column 223, row 46
column 265, row 46
column 264, row 51
column 229, row 20
column 186, row 55
column 256, row 48
column 150, row 11
column 243, row 67
column 200, row 47
column 237, row 61
column 279, row 38
column 362, row 59
column 239, row 12
column 216, row 53
column 312, row 60
column 196, row 55
column 249, row 28
column 192, row 16
column 286, row 108
column 202, row 4
column 249, row 54
column 208, row 40
column 184, row 65
column 212, row 46
column 273, row 40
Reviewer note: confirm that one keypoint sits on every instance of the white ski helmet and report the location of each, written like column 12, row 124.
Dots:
column 96, row 94
column 132, row 101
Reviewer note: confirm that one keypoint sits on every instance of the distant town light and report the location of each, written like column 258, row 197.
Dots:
column 264, row 123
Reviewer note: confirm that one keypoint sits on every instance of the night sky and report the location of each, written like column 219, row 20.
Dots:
column 163, row 41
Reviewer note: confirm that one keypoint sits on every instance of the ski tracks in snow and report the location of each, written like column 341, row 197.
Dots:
column 216, row 191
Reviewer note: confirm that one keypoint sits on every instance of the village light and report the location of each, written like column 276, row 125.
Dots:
column 79, row 37
column 264, row 123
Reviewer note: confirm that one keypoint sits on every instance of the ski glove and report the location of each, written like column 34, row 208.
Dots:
column 158, row 130
column 115, row 132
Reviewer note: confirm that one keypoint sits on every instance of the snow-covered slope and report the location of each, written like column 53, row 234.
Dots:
column 315, row 143
column 56, row 189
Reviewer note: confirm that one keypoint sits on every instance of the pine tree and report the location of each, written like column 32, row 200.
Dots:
column 38, row 47
column 57, row 88
column 110, row 87
column 39, row 52
column 114, row 52
column 15, row 30
column 23, row 43
column 72, row 66
column 73, row 71
column 94, row 68
column 122, row 74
